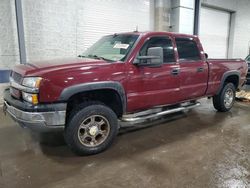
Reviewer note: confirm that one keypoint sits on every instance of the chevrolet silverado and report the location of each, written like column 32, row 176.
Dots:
column 126, row 77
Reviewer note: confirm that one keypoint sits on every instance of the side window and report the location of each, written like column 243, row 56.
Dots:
column 165, row 43
column 187, row 49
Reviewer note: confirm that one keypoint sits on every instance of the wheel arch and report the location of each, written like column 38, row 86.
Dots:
column 230, row 76
column 102, row 88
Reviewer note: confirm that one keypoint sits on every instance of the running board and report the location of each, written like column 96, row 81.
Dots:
column 144, row 115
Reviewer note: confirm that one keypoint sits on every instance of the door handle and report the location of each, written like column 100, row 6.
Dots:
column 200, row 69
column 175, row 71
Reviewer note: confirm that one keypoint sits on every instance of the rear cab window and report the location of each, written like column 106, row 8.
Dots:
column 187, row 49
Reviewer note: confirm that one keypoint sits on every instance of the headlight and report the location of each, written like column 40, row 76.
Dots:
column 32, row 82
column 30, row 97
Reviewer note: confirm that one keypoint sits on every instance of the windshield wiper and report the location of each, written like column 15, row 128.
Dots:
column 95, row 57
column 98, row 57
column 81, row 56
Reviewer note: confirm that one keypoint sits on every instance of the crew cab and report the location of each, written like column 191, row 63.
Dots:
column 127, row 77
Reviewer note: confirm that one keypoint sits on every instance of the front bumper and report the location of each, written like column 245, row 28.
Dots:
column 41, row 118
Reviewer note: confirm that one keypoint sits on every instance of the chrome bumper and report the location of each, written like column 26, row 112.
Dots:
column 38, row 121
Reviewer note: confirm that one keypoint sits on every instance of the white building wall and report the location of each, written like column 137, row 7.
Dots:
column 226, row 4
column 162, row 15
column 9, row 54
column 214, row 32
column 97, row 18
column 241, row 39
column 57, row 28
column 239, row 44
column 50, row 28
column 183, row 16
column 53, row 28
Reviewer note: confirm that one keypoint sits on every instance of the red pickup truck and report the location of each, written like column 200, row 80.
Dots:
column 127, row 77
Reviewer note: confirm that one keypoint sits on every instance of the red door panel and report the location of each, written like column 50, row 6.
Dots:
column 148, row 87
column 152, row 86
column 193, row 79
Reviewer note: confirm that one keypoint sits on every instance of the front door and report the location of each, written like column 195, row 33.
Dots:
column 148, row 87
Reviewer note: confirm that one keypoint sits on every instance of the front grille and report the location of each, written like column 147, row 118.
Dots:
column 15, row 93
column 16, row 77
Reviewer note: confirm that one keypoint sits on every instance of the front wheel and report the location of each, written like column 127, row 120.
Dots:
column 224, row 101
column 91, row 129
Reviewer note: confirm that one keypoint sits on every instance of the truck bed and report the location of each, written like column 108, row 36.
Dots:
column 219, row 67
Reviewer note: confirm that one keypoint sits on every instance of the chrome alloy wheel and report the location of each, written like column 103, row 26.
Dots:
column 228, row 98
column 93, row 130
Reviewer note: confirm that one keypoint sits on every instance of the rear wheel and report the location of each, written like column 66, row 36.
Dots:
column 224, row 101
column 91, row 128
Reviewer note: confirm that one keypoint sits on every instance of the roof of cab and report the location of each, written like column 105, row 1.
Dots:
column 159, row 33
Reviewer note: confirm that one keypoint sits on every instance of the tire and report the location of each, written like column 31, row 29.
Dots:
column 224, row 101
column 91, row 128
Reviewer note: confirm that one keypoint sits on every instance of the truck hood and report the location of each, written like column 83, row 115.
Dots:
column 38, row 68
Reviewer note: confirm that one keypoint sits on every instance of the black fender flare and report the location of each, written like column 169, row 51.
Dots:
column 225, row 76
column 79, row 88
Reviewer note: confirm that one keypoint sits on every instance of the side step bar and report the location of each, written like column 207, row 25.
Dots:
column 139, row 116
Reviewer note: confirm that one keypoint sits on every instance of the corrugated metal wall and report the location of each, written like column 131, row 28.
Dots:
column 55, row 29
column 98, row 18
column 214, row 32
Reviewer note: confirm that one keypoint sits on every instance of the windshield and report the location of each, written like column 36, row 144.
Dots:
column 112, row 47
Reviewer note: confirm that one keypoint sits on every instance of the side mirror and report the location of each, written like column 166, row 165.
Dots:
column 153, row 59
column 206, row 56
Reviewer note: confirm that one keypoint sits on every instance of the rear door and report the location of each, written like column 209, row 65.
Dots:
column 152, row 86
column 193, row 70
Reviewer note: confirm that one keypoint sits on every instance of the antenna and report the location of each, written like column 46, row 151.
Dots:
column 248, row 47
column 136, row 28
